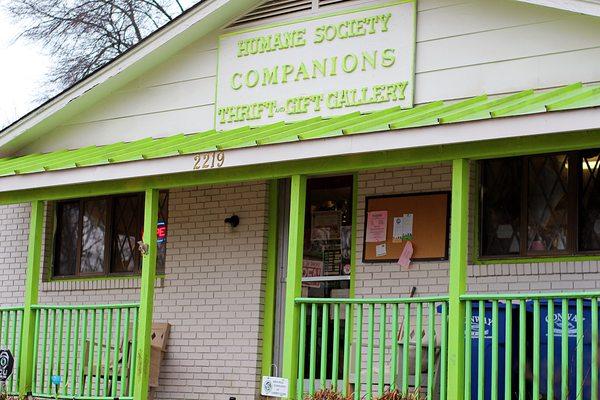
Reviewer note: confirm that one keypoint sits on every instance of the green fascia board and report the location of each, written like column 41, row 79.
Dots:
column 475, row 111
column 416, row 119
column 585, row 98
column 496, row 148
column 536, row 102
column 228, row 141
column 91, row 155
column 379, row 120
column 476, row 108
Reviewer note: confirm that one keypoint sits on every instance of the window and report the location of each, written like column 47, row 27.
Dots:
column 99, row 236
column 542, row 205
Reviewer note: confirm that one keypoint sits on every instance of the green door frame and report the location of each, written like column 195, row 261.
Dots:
column 268, row 330
column 293, row 287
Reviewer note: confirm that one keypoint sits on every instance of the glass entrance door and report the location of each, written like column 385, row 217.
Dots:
column 326, row 271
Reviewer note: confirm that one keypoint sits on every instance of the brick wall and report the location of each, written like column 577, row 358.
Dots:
column 389, row 279
column 431, row 278
column 212, row 294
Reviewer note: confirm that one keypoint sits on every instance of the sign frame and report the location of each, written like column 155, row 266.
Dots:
column 411, row 60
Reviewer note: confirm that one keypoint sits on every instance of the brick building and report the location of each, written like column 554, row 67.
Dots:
column 460, row 121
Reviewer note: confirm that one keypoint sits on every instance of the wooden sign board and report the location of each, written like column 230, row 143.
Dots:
column 427, row 216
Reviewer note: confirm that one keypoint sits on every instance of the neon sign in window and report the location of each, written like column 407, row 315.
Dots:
column 161, row 232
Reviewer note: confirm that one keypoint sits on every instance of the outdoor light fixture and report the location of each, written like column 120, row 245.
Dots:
column 234, row 220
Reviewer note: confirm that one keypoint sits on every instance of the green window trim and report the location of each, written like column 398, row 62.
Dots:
column 50, row 267
column 530, row 260
column 477, row 260
column 112, row 277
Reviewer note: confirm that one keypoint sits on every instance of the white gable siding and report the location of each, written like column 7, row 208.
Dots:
column 465, row 48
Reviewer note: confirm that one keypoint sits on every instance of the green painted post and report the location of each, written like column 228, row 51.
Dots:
column 594, row 367
column 508, row 352
column 293, row 287
column 444, row 352
column 370, row 343
column 419, row 346
column 564, row 357
column 394, row 345
column 536, row 349
column 522, row 349
column 336, row 346
column 301, row 351
column 347, row 327
column 468, row 350
column 481, row 351
column 382, row 333
column 405, row 349
column 32, row 282
column 358, row 353
column 270, row 281
column 495, row 371
column 579, row 353
column 550, row 353
column 312, row 365
column 143, row 350
column 430, row 348
column 125, row 353
column 324, row 338
column 458, row 279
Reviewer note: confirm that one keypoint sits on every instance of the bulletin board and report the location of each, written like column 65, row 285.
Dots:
column 429, row 231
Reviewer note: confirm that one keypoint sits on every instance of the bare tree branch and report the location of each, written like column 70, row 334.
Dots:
column 83, row 35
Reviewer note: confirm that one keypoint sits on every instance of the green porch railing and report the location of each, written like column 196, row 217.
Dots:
column 91, row 348
column 538, row 346
column 11, row 319
column 371, row 346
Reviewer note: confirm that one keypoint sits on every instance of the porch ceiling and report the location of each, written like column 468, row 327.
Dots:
column 569, row 97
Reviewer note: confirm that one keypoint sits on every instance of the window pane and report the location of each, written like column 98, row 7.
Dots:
column 547, row 204
column 67, row 238
column 501, row 206
column 127, row 231
column 93, row 236
column 589, row 202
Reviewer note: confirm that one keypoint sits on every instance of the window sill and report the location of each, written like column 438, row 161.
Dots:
column 98, row 283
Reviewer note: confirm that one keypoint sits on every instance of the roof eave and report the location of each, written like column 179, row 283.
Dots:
column 521, row 126
column 204, row 18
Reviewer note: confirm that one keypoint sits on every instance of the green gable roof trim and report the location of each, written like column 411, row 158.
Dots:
column 435, row 113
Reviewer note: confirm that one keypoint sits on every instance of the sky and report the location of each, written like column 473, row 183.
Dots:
column 22, row 68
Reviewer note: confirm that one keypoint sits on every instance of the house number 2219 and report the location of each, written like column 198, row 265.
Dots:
column 213, row 159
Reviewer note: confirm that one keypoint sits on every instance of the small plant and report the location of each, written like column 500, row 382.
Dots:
column 328, row 394
column 397, row 395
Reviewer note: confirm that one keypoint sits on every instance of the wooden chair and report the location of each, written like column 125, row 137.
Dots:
column 160, row 336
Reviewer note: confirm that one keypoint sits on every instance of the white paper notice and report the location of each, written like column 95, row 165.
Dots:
column 380, row 250
column 407, row 226
column 398, row 229
column 504, row 231
column 403, row 228
column 273, row 386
